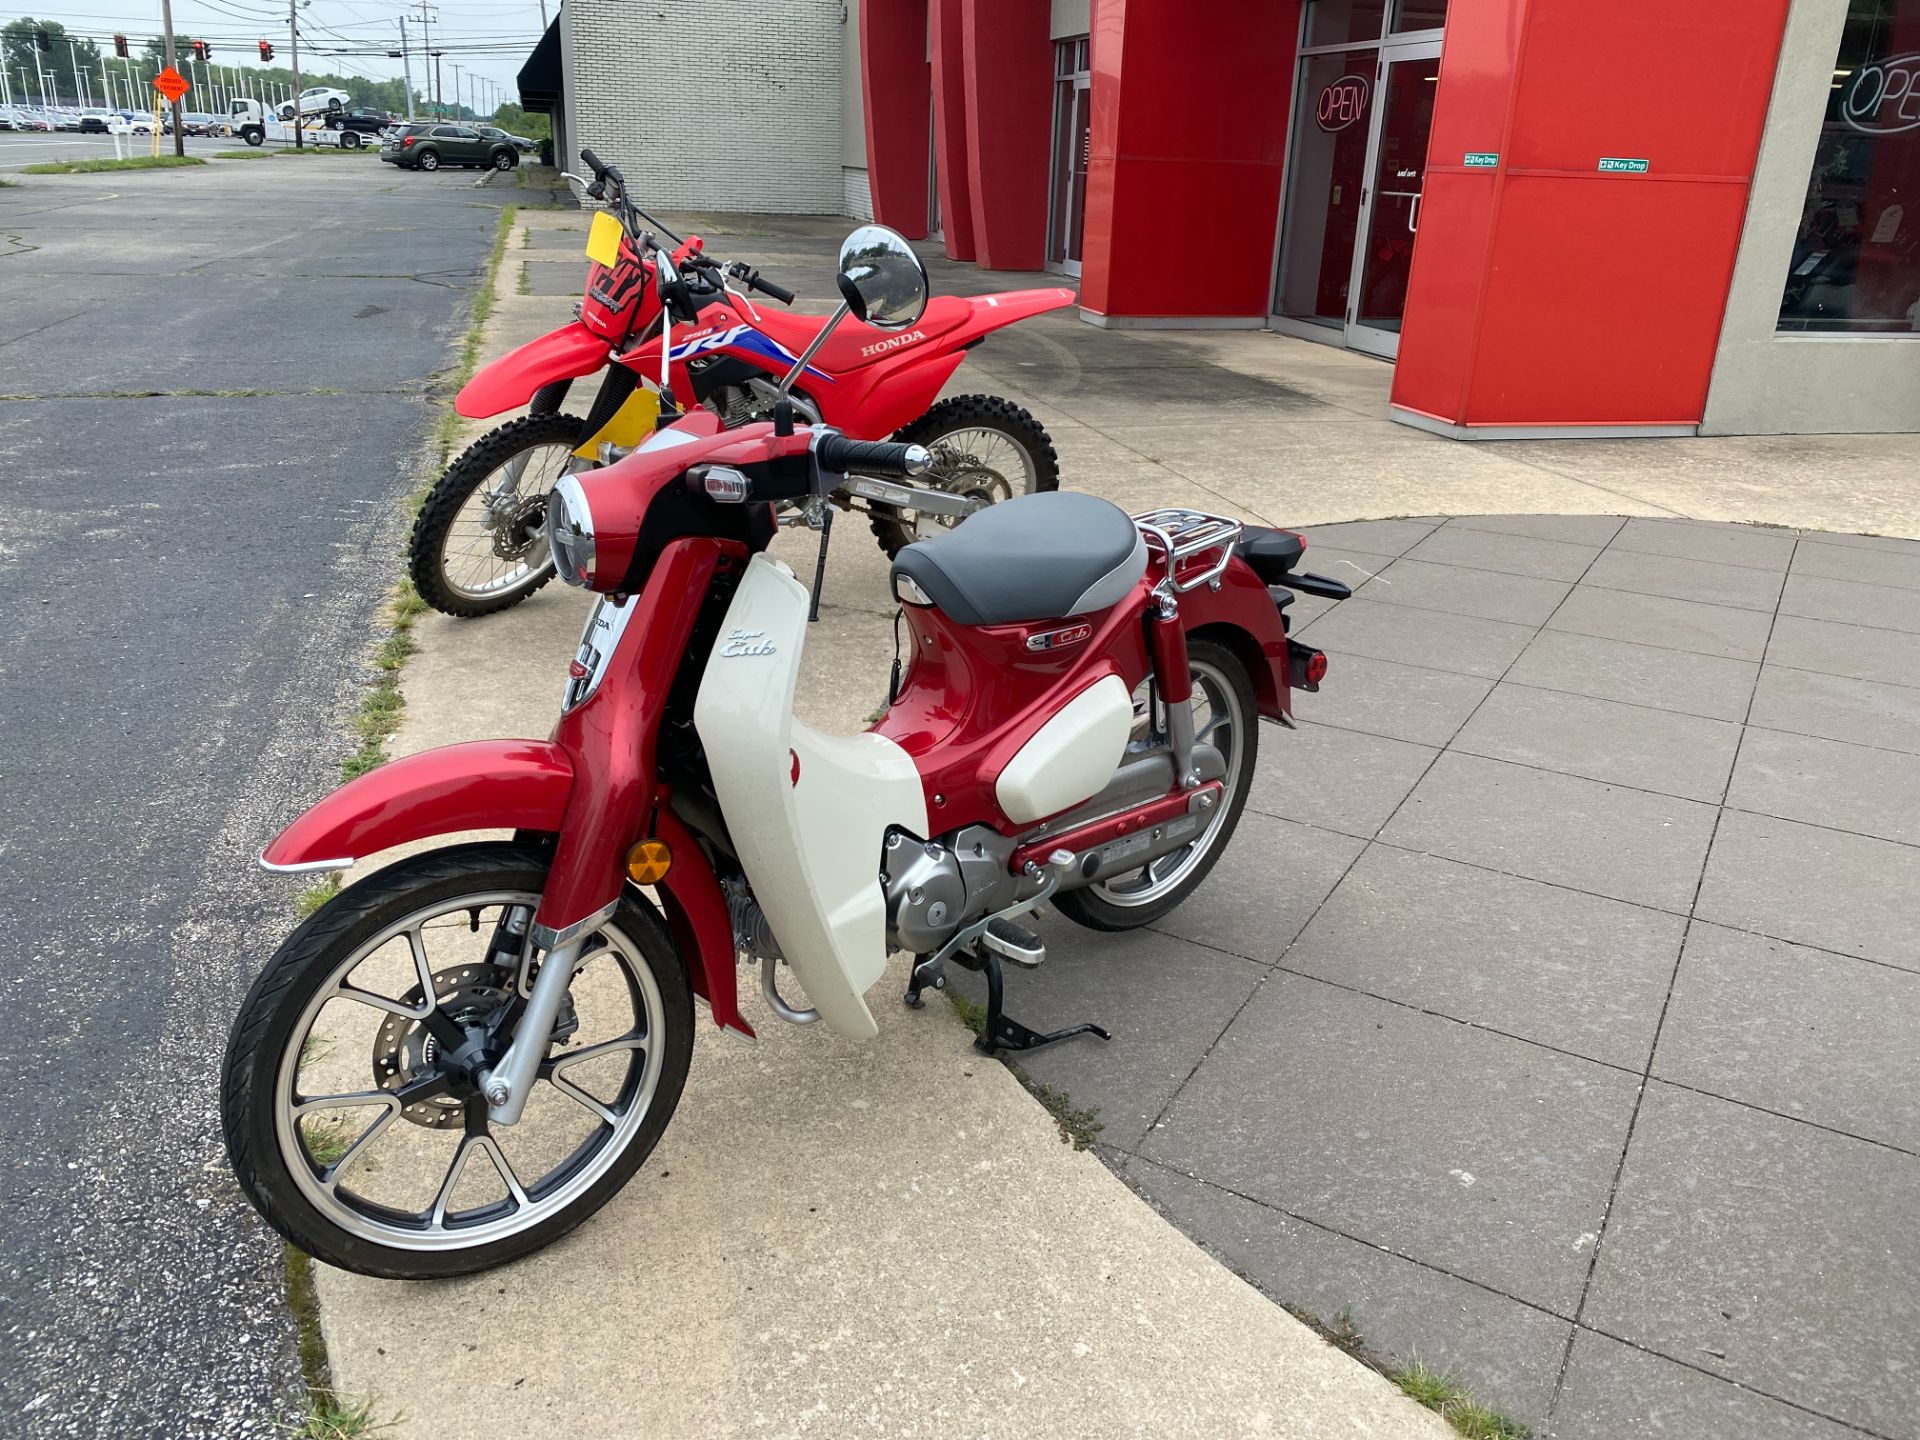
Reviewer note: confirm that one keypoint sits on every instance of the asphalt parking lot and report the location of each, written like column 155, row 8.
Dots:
column 205, row 428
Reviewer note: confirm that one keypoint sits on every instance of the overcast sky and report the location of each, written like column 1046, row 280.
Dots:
column 490, row 38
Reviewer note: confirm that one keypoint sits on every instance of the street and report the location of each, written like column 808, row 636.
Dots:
column 18, row 149
column 213, row 392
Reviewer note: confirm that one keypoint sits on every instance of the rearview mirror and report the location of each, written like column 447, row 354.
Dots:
column 881, row 279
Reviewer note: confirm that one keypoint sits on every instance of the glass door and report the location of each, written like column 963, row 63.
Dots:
column 1390, row 211
column 1072, row 148
column 1325, row 182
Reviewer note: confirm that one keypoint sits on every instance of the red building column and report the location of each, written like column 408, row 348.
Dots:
column 1009, row 105
column 1546, row 291
column 896, row 85
column 950, row 127
column 1189, row 137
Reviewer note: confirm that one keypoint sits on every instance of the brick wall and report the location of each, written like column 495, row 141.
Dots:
column 711, row 104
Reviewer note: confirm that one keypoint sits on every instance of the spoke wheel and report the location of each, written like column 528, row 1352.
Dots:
column 352, row 1104
column 480, row 541
column 1223, row 717
column 985, row 448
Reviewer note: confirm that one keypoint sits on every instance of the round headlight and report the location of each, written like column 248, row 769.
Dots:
column 570, row 532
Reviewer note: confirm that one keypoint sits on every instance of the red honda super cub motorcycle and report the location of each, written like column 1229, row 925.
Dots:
column 478, row 544
column 462, row 1056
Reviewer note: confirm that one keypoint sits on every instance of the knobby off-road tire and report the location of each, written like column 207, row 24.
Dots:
column 1039, row 466
column 433, row 528
column 1127, row 900
column 270, row 1023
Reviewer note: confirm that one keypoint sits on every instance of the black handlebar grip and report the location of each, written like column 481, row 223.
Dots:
column 872, row 457
column 767, row 287
column 592, row 162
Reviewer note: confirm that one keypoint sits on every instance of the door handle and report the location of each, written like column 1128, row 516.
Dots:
column 1413, row 215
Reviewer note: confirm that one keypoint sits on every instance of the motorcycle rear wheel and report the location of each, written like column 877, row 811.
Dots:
column 335, row 1026
column 465, row 559
column 1224, row 717
column 982, row 445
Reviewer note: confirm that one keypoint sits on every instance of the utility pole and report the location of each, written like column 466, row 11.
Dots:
column 179, row 130
column 456, row 90
column 426, row 43
column 293, row 32
column 406, row 65
column 439, row 103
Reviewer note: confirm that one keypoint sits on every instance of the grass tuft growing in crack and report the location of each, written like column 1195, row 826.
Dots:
column 326, row 1415
column 1077, row 1126
column 374, row 723
column 316, row 895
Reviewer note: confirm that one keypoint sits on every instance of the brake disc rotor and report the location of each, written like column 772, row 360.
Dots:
column 521, row 529
column 403, row 1049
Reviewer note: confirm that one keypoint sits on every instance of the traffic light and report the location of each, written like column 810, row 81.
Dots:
column 266, row 52
column 120, row 46
column 200, row 51
column 42, row 41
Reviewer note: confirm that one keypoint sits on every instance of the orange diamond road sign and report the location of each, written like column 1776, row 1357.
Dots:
column 170, row 84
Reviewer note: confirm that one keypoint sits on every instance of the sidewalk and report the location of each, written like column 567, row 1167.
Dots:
column 1551, row 1014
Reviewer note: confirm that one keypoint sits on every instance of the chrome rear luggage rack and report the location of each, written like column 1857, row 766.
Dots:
column 1179, row 535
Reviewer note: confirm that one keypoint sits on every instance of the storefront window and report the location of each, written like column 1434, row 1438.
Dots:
column 1340, row 22
column 1856, row 257
column 1418, row 15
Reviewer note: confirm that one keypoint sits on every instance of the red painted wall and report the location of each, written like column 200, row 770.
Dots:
column 896, row 85
column 1546, row 292
column 950, row 127
column 1189, row 137
column 1009, row 103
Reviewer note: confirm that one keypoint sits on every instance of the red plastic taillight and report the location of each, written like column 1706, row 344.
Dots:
column 1317, row 669
column 406, row 142
column 1306, row 666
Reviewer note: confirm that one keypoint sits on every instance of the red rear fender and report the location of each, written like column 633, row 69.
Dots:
column 565, row 354
column 483, row 785
column 987, row 313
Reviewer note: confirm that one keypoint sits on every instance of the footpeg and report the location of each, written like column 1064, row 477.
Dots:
column 1014, row 943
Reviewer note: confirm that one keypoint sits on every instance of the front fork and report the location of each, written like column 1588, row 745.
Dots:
column 508, row 1084
column 1173, row 678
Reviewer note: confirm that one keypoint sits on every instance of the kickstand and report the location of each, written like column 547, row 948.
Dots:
column 820, row 565
column 1002, row 1031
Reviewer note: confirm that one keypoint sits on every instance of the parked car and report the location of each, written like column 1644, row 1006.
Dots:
column 428, row 147
column 319, row 100
column 7, row 121
column 35, row 120
column 95, row 122
column 519, row 142
column 138, row 125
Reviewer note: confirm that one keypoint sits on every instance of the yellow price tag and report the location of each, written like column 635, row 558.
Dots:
column 630, row 424
column 603, row 240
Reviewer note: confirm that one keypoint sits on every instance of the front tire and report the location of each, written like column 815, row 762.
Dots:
column 982, row 445
column 1224, row 717
column 476, row 550
column 429, row 1189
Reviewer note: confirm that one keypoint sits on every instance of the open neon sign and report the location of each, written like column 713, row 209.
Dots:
column 1883, row 98
column 1342, row 103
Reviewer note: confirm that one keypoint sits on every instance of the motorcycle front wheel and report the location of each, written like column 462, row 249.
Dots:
column 1223, row 717
column 984, row 447
column 480, row 540
column 358, row 1134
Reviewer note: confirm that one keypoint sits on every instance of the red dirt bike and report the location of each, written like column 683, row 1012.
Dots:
column 478, row 545
column 459, row 1058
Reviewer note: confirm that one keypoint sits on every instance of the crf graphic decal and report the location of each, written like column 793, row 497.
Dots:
column 740, row 337
column 619, row 287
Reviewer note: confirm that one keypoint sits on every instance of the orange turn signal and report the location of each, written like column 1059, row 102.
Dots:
column 649, row 861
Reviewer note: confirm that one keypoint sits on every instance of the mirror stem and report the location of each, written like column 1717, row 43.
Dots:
column 813, row 348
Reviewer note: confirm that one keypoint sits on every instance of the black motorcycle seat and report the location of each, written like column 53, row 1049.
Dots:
column 1034, row 557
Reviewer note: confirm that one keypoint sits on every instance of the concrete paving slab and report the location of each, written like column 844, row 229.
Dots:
column 1724, row 544
column 1666, row 624
column 1603, row 839
column 1378, row 537
column 1617, row 1392
column 1850, row 603
column 1873, row 567
column 1336, row 779
column 1885, row 544
column 1864, row 712
column 1890, row 656
column 1773, row 1253
column 1684, row 755
column 1486, row 594
column 1706, row 580
column 1239, row 908
column 1486, row 1157
column 1511, row 554
column 1512, row 1351
column 1573, row 529
column 1536, row 961
column 1384, row 697
column 1829, row 782
column 1820, row 887
column 1352, row 568
column 1801, row 1032
column 1638, row 674
column 1458, row 643
column 1164, row 1000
